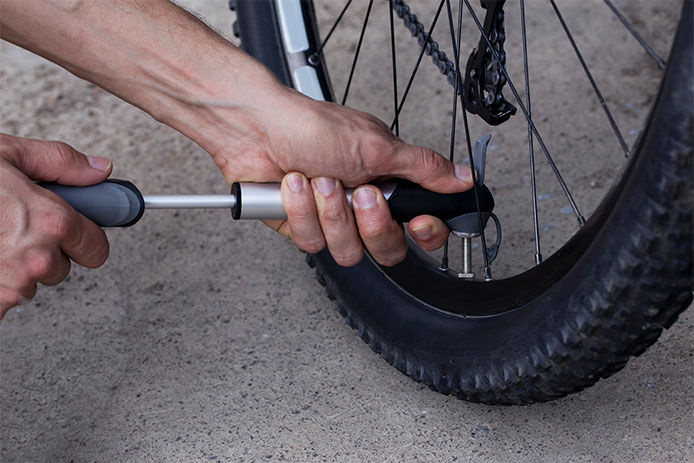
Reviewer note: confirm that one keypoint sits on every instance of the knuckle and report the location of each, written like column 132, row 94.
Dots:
column 393, row 258
column 59, row 277
column 378, row 227
column 374, row 231
column 312, row 246
column 430, row 162
column 41, row 263
column 98, row 256
column 62, row 152
column 333, row 215
column 348, row 258
column 375, row 125
column 379, row 145
column 377, row 155
column 60, row 225
column 299, row 212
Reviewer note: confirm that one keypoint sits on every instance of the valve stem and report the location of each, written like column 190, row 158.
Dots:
column 467, row 259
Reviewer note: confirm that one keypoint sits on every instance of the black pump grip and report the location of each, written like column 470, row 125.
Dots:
column 112, row 203
column 410, row 200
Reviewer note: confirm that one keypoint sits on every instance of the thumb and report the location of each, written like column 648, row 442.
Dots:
column 54, row 161
column 431, row 170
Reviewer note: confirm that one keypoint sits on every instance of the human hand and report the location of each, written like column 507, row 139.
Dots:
column 39, row 232
column 316, row 149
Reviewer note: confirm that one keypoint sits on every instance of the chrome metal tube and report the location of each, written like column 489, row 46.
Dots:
column 260, row 201
column 190, row 201
column 256, row 200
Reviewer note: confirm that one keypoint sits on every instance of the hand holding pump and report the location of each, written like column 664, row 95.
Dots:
column 119, row 203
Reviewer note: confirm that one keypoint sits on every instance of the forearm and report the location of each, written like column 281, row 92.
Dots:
column 148, row 52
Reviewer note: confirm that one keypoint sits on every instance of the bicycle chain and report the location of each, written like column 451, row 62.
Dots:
column 416, row 28
column 483, row 78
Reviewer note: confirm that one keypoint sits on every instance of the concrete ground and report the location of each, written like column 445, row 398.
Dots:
column 204, row 339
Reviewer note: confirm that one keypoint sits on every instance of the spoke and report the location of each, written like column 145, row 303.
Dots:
column 457, row 80
column 356, row 53
column 568, row 194
column 416, row 66
column 536, row 227
column 617, row 133
column 444, row 259
column 455, row 41
column 636, row 35
column 332, row 29
column 394, row 67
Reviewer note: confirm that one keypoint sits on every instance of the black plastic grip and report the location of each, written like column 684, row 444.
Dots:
column 410, row 200
column 113, row 203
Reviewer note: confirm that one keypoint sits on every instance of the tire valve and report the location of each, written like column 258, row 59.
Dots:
column 467, row 259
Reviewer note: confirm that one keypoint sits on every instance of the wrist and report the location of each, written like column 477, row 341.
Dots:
column 219, row 98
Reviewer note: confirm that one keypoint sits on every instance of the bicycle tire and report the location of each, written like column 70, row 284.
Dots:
column 630, row 275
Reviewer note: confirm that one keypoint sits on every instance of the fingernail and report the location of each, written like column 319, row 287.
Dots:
column 463, row 173
column 364, row 198
column 295, row 182
column 98, row 163
column 325, row 185
column 422, row 233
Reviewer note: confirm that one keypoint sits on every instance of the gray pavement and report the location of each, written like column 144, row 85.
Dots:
column 203, row 339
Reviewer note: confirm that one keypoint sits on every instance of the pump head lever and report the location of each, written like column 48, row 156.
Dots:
column 480, row 156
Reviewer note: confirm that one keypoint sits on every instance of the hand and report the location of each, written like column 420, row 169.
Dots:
column 316, row 149
column 39, row 232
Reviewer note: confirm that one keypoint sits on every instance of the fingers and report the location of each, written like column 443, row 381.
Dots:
column 54, row 161
column 41, row 254
column 429, row 232
column 337, row 221
column 429, row 169
column 47, row 265
column 320, row 215
column 78, row 237
column 299, row 203
column 382, row 236
column 41, row 264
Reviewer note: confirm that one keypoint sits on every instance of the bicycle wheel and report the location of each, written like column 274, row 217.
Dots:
column 555, row 328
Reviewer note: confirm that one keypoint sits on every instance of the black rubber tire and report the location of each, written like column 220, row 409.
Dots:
column 632, row 276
